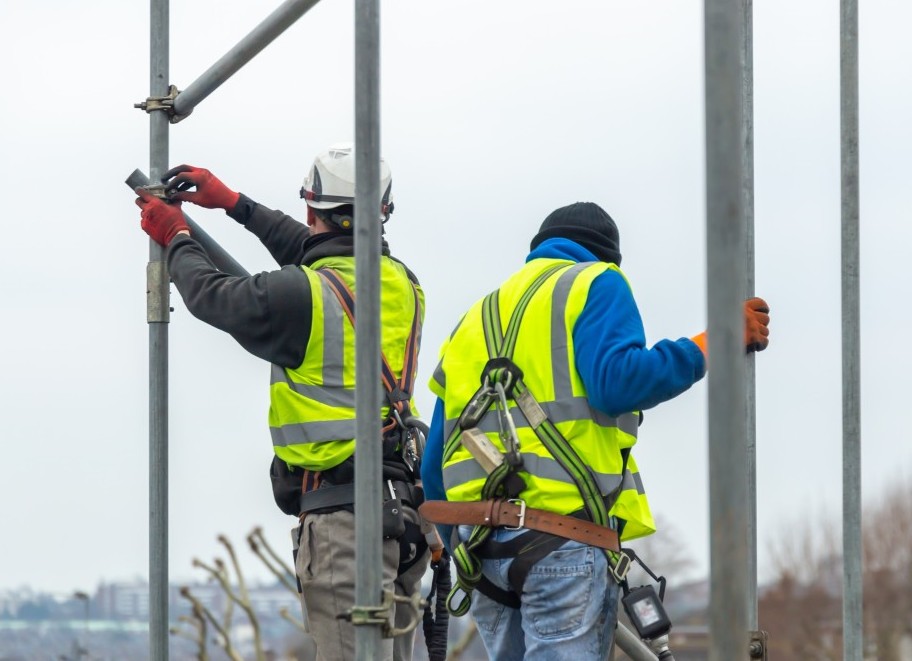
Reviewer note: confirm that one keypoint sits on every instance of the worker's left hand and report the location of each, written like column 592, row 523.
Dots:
column 159, row 219
column 210, row 192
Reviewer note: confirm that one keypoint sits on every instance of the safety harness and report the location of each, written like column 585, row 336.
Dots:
column 403, row 437
column 405, row 434
column 502, row 382
column 400, row 425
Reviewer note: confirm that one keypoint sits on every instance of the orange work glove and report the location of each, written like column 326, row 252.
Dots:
column 210, row 192
column 700, row 341
column 756, row 324
column 756, row 328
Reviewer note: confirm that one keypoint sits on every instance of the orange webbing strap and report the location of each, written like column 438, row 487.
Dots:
column 390, row 382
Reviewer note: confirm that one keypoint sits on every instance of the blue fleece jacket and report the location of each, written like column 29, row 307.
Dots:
column 620, row 373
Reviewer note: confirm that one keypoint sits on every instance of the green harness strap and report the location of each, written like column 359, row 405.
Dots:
column 501, row 371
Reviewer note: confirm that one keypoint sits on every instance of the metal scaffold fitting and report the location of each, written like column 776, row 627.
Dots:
column 157, row 293
column 165, row 103
column 759, row 643
column 382, row 615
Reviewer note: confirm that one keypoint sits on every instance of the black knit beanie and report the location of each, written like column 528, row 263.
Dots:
column 587, row 224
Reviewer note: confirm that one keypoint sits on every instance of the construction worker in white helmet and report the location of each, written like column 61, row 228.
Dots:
column 300, row 319
column 528, row 469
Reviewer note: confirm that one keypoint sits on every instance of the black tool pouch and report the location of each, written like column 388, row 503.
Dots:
column 393, row 519
column 286, row 486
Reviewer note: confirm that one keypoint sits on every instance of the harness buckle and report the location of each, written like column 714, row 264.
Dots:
column 620, row 567
column 521, row 515
column 476, row 408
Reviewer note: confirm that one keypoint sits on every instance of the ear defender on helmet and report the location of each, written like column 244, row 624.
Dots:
column 343, row 220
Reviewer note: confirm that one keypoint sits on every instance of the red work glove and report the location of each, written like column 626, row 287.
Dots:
column 210, row 192
column 756, row 324
column 160, row 220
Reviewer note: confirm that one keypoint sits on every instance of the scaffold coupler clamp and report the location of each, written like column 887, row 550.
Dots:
column 163, row 103
column 383, row 614
column 758, row 645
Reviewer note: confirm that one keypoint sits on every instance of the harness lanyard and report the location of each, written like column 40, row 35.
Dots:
column 398, row 391
column 502, row 377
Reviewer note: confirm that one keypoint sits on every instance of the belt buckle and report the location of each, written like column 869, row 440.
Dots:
column 522, row 514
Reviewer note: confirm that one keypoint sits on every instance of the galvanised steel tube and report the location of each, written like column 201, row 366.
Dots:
column 158, row 307
column 726, row 284
column 631, row 645
column 747, row 196
column 220, row 257
column 368, row 544
column 246, row 49
column 851, row 337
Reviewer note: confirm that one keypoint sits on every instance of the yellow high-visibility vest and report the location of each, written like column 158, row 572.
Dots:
column 544, row 352
column 312, row 407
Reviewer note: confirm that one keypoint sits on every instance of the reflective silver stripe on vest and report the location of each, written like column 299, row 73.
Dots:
column 440, row 375
column 313, row 432
column 335, row 397
column 634, row 481
column 543, row 467
column 333, row 338
column 577, row 408
column 560, row 354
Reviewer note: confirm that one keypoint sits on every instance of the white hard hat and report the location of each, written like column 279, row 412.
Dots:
column 330, row 182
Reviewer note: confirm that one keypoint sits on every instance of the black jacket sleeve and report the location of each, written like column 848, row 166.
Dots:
column 268, row 313
column 282, row 235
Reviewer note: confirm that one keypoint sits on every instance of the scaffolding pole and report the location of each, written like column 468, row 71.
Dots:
column 852, row 604
column 747, row 196
column 726, row 284
column 157, row 280
column 632, row 645
column 246, row 49
column 157, row 315
column 368, row 544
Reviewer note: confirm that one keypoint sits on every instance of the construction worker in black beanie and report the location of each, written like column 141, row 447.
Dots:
column 530, row 477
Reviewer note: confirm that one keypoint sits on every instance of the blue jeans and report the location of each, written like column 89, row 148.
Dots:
column 568, row 608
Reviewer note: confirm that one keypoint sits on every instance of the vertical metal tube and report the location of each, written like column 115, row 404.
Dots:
column 747, row 196
column 157, row 314
column 726, row 284
column 368, row 393
column 851, row 340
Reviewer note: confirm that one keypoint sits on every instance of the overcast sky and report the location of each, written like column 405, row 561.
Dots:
column 493, row 115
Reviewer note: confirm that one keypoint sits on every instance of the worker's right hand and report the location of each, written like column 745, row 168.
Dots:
column 210, row 192
column 756, row 324
column 160, row 220
column 756, row 328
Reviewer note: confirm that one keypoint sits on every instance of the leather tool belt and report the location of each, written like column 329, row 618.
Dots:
column 514, row 514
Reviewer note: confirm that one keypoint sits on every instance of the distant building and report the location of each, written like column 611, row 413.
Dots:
column 122, row 601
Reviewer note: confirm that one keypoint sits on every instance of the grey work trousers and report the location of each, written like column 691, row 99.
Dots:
column 325, row 566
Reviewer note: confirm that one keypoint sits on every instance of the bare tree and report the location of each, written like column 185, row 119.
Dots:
column 888, row 573
column 235, row 589
column 802, row 610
